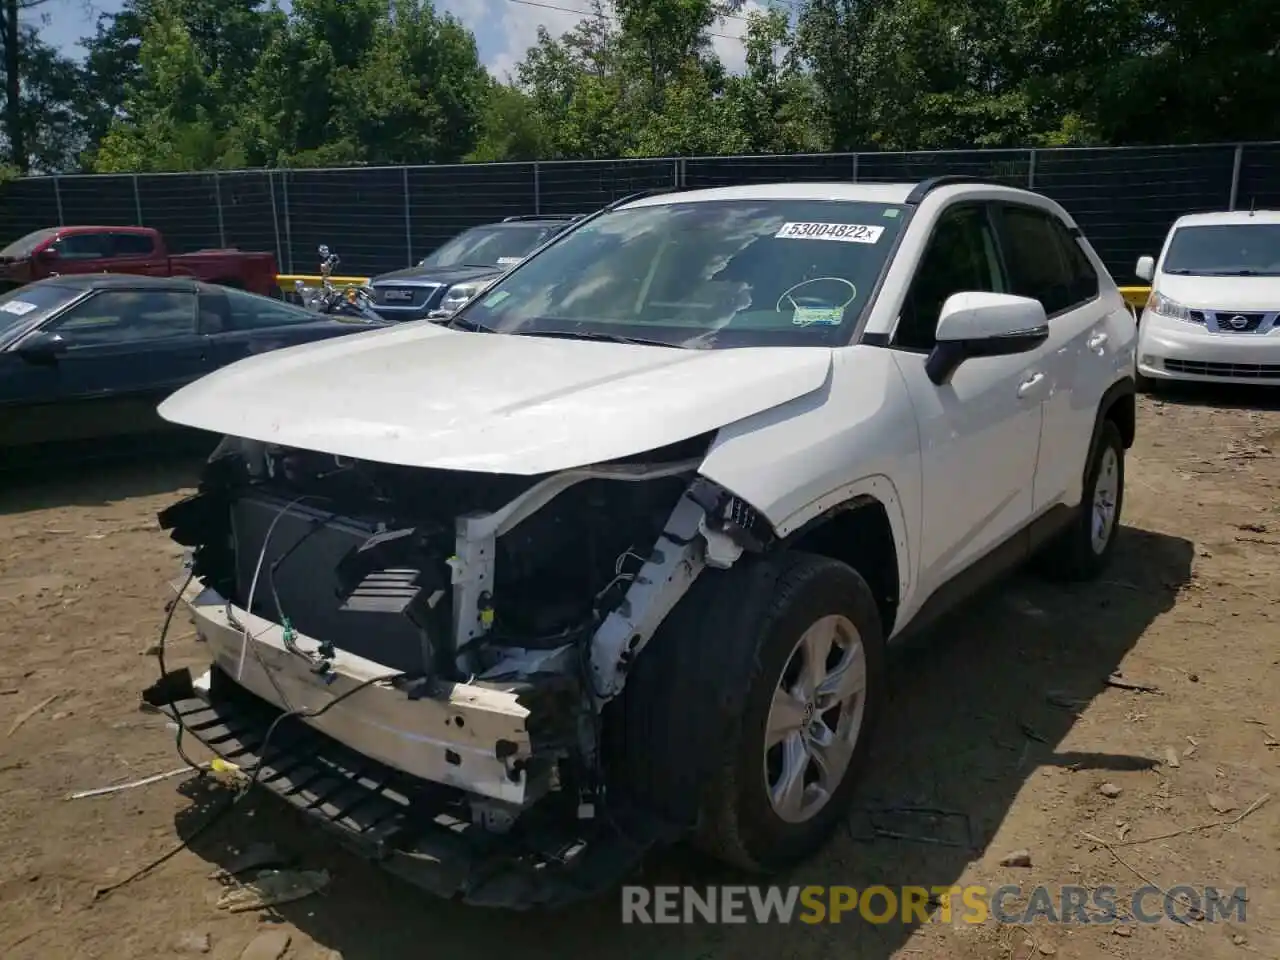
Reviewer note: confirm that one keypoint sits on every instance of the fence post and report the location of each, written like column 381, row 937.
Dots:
column 537, row 187
column 288, row 225
column 217, row 194
column 854, row 174
column 275, row 219
column 408, row 218
column 1031, row 170
column 57, row 199
column 137, row 200
column 1235, row 176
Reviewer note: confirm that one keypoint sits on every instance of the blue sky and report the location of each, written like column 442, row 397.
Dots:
column 504, row 29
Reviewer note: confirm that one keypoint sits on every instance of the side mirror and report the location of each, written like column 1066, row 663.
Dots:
column 975, row 325
column 1146, row 268
column 47, row 255
column 42, row 348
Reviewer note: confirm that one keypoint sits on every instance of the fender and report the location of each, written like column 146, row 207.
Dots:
column 1124, row 387
column 877, row 487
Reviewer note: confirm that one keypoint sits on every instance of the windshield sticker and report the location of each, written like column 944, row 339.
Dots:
column 822, row 316
column 891, row 212
column 841, row 232
column 19, row 308
column 508, row 261
column 495, row 298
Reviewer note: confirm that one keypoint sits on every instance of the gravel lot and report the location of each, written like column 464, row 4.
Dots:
column 1004, row 714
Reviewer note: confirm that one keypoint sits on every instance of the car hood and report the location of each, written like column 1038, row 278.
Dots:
column 427, row 396
column 433, row 275
column 1222, row 293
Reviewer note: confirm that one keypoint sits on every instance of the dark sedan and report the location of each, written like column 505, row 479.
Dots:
column 86, row 359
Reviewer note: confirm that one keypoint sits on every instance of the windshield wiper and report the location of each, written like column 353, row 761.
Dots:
column 599, row 336
column 456, row 322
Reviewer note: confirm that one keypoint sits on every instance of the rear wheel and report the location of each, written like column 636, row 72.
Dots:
column 755, row 727
column 1084, row 548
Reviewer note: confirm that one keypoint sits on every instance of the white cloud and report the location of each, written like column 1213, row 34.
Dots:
column 505, row 29
column 731, row 32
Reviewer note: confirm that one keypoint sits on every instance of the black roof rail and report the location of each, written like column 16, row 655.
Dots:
column 926, row 187
column 541, row 216
column 639, row 194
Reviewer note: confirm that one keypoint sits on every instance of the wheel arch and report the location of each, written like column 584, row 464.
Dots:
column 1120, row 405
column 861, row 524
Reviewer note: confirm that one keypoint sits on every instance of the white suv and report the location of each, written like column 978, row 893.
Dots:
column 1214, row 310
column 619, row 548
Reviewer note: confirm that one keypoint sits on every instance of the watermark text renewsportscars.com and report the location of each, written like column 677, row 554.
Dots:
column 1008, row 904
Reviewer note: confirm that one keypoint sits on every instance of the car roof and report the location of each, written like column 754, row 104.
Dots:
column 1225, row 217
column 119, row 281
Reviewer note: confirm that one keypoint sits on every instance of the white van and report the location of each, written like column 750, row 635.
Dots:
column 1214, row 310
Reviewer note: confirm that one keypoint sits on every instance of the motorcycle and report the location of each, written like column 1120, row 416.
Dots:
column 349, row 300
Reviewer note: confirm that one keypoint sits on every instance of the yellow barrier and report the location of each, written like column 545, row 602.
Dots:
column 288, row 279
column 1136, row 297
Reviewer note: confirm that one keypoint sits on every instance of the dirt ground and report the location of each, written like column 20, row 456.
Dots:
column 1004, row 715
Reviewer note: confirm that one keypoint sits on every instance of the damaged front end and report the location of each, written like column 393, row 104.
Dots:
column 432, row 650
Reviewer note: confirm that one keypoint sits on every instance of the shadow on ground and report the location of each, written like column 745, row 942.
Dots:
column 1225, row 396
column 93, row 481
column 976, row 710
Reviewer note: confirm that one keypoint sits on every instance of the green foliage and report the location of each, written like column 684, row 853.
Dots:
column 200, row 84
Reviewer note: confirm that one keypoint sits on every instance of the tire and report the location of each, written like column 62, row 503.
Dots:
column 689, row 739
column 1076, row 555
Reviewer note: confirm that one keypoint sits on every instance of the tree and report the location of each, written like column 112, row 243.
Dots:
column 12, row 39
column 509, row 128
column 42, row 126
column 777, row 99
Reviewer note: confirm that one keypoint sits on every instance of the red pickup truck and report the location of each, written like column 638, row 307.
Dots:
column 140, row 250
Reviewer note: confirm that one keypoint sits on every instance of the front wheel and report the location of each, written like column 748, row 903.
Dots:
column 767, row 716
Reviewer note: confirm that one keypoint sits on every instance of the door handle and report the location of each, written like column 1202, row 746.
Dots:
column 1097, row 341
column 1029, row 384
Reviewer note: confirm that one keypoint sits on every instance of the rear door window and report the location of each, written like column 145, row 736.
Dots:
column 247, row 311
column 132, row 245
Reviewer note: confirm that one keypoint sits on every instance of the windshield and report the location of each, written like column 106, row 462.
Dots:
column 493, row 246
column 23, row 246
column 19, row 307
column 722, row 273
column 1227, row 249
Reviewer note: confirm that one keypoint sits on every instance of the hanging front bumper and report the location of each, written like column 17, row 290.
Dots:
column 409, row 827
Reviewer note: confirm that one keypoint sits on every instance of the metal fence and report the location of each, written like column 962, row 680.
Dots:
column 382, row 218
